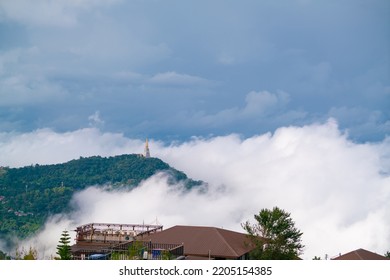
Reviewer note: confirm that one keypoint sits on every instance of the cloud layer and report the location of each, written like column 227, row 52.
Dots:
column 152, row 68
column 336, row 190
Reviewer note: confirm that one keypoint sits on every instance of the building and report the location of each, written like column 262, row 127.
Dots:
column 128, row 241
column 360, row 254
column 147, row 152
column 102, row 238
column 205, row 242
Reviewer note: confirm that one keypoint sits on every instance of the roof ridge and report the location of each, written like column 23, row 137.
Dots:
column 357, row 253
column 224, row 240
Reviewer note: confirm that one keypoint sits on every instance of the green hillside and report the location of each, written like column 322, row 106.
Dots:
column 28, row 195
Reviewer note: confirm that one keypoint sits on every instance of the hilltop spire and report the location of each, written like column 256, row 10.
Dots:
column 147, row 152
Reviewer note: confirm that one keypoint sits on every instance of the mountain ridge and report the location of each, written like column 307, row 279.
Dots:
column 30, row 194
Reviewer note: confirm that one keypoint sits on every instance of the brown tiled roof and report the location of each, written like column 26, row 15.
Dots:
column 204, row 241
column 360, row 254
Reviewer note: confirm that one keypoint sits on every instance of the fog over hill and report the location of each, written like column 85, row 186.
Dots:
column 336, row 190
column 30, row 194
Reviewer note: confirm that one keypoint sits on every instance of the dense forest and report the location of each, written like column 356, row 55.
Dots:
column 28, row 195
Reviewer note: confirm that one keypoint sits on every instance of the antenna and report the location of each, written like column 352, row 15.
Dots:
column 155, row 222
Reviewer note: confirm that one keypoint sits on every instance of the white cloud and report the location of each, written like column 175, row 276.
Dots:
column 95, row 119
column 46, row 240
column 332, row 186
column 176, row 79
column 336, row 190
column 45, row 146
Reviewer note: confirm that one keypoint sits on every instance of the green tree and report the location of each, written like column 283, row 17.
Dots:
column 31, row 254
column 166, row 255
column 387, row 254
column 4, row 256
column 117, row 256
column 274, row 236
column 135, row 250
column 63, row 248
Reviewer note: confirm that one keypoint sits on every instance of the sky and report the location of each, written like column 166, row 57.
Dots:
column 171, row 70
column 272, row 103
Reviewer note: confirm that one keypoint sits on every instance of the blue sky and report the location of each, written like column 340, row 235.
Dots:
column 171, row 70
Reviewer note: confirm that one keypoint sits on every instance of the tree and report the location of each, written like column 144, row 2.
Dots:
column 135, row 250
column 387, row 254
column 31, row 254
column 4, row 256
column 63, row 249
column 274, row 236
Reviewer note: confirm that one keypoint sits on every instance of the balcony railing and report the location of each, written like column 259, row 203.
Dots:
column 133, row 250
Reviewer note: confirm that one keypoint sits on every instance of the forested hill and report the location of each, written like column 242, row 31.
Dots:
column 28, row 195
